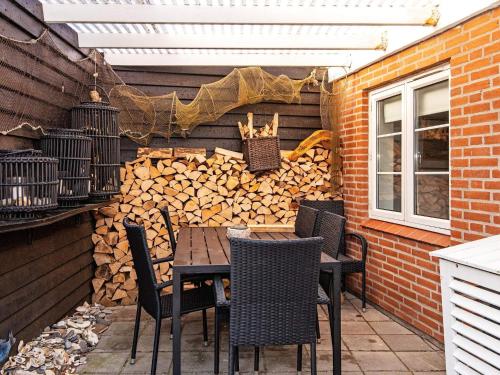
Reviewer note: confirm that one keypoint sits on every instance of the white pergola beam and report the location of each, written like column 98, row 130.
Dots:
column 145, row 59
column 294, row 42
column 285, row 15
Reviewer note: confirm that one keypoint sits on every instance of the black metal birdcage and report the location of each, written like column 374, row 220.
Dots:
column 73, row 149
column 28, row 184
column 99, row 121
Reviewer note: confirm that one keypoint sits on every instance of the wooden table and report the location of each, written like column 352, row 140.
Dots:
column 204, row 250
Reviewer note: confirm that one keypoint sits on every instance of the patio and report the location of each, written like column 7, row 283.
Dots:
column 372, row 343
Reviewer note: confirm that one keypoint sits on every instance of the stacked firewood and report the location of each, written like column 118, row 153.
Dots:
column 214, row 191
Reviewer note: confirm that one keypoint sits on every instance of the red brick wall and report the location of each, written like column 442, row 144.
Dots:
column 401, row 276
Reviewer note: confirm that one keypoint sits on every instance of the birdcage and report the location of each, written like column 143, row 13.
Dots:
column 73, row 149
column 28, row 184
column 99, row 121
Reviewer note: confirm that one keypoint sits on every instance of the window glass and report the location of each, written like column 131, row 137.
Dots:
column 432, row 105
column 389, row 115
column 432, row 197
column 389, row 192
column 432, row 150
column 389, row 153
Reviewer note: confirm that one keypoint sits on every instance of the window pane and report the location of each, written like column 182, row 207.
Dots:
column 432, row 150
column 432, row 105
column 389, row 154
column 389, row 115
column 389, row 192
column 432, row 196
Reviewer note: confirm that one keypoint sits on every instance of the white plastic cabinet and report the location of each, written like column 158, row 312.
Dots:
column 470, row 287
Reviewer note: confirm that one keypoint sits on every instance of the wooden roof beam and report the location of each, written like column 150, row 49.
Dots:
column 281, row 15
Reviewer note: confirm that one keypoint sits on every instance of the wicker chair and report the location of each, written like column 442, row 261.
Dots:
column 274, row 292
column 305, row 224
column 150, row 298
column 349, row 264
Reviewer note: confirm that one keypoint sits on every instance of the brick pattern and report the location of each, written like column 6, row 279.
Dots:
column 401, row 276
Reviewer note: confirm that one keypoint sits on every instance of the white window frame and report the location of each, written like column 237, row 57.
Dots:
column 406, row 89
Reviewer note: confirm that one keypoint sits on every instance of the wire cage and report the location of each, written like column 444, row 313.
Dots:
column 73, row 149
column 99, row 121
column 28, row 184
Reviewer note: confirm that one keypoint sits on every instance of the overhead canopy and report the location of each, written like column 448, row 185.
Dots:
column 330, row 33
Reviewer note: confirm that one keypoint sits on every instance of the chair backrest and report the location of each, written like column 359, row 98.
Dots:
column 274, row 288
column 306, row 221
column 146, row 279
column 336, row 207
column 332, row 231
column 170, row 228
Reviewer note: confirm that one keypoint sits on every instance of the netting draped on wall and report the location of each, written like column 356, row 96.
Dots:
column 331, row 106
column 143, row 116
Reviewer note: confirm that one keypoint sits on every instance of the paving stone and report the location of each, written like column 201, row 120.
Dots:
column 127, row 313
column 124, row 328
column 142, row 364
column 114, row 343
column 282, row 360
column 390, row 328
column 351, row 314
column 429, row 373
column 364, row 342
column 378, row 361
column 356, row 328
column 356, row 302
column 145, row 343
column 388, row 373
column 199, row 361
column 373, row 315
column 104, row 363
column 423, row 361
column 406, row 343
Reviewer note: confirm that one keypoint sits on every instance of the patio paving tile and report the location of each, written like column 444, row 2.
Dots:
column 143, row 364
column 114, row 343
column 423, row 361
column 124, row 328
column 364, row 342
column 378, row 361
column 104, row 363
column 373, row 315
column 390, row 328
column 356, row 328
column 325, row 363
column 406, row 343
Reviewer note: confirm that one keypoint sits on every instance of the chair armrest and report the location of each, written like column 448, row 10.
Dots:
column 163, row 285
column 170, row 258
column 364, row 244
column 220, row 295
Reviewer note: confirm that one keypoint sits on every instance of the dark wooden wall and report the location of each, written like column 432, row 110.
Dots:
column 23, row 20
column 297, row 121
column 44, row 274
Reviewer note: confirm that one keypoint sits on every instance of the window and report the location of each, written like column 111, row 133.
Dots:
column 409, row 152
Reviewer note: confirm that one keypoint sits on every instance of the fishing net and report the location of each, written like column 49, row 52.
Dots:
column 142, row 115
column 332, row 103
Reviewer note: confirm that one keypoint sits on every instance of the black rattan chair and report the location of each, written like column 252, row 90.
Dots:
column 305, row 223
column 150, row 298
column 274, row 293
column 349, row 264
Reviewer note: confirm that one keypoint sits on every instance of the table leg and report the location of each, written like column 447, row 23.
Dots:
column 335, row 291
column 176, row 322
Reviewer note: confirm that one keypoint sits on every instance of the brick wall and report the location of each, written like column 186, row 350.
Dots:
column 402, row 278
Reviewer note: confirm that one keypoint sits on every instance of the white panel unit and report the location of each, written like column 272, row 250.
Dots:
column 470, row 287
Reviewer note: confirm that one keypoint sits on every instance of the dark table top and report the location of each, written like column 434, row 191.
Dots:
column 207, row 248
